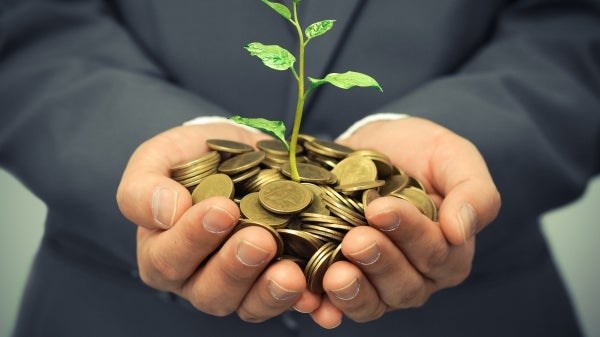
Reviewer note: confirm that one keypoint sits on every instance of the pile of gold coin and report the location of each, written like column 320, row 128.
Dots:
column 308, row 219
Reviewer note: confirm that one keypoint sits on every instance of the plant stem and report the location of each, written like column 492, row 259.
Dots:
column 301, row 96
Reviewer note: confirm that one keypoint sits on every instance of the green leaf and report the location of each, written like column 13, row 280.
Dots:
column 279, row 8
column 273, row 56
column 275, row 128
column 346, row 80
column 318, row 28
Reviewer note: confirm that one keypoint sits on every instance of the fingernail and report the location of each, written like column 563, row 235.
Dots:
column 280, row 293
column 164, row 205
column 300, row 311
column 218, row 220
column 367, row 256
column 386, row 221
column 250, row 254
column 467, row 218
column 349, row 291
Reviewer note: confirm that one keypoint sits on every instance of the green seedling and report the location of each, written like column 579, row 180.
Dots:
column 278, row 58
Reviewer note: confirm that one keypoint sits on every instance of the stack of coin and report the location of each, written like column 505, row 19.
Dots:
column 307, row 219
column 191, row 173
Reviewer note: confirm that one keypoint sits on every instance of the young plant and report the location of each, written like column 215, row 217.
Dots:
column 278, row 58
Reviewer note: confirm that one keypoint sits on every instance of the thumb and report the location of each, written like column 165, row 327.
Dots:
column 467, row 209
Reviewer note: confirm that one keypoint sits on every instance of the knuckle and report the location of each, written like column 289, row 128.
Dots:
column 459, row 275
column 412, row 295
column 217, row 309
column 436, row 258
column 161, row 266
column 414, row 298
column 207, row 300
column 249, row 317
column 371, row 315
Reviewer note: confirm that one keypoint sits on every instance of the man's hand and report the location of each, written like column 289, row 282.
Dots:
column 403, row 257
column 182, row 248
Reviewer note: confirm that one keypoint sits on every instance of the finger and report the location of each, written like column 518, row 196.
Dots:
column 167, row 258
column 275, row 291
column 421, row 241
column 307, row 302
column 327, row 315
column 219, row 287
column 146, row 194
column 470, row 198
column 351, row 292
column 397, row 282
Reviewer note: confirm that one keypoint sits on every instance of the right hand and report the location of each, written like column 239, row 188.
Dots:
column 182, row 249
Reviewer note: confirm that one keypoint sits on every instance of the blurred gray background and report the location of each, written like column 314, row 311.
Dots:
column 573, row 232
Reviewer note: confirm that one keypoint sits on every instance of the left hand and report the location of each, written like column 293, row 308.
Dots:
column 403, row 257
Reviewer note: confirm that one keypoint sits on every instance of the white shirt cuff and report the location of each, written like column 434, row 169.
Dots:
column 202, row 120
column 382, row 116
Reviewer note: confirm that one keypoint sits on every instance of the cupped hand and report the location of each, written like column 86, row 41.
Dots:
column 403, row 257
column 189, row 249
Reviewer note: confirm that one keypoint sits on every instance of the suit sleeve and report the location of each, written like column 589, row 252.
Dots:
column 78, row 93
column 529, row 99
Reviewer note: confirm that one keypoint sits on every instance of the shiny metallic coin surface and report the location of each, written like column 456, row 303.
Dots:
column 285, row 197
column 251, row 208
column 355, row 169
column 310, row 218
column 241, row 162
column 310, row 173
column 299, row 243
column 228, row 146
column 213, row 185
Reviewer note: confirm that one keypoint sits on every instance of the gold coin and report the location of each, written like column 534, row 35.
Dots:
column 317, row 205
column 317, row 266
column 328, row 148
column 263, row 177
column 276, row 147
column 354, row 170
column 251, row 208
column 382, row 162
column 336, row 255
column 278, row 240
column 303, row 138
column 414, row 182
column 324, row 161
column 394, row 184
column 299, row 243
column 345, row 213
column 208, row 156
column 324, row 220
column 360, row 186
column 337, row 197
column 419, row 199
column 213, row 185
column 241, row 162
column 310, row 173
column 285, row 197
column 245, row 175
column 228, row 146
column 332, row 234
column 368, row 196
column 195, row 171
column 318, row 236
column 298, row 260
column 191, row 182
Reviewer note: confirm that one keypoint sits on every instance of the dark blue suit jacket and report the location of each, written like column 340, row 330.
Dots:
column 82, row 83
